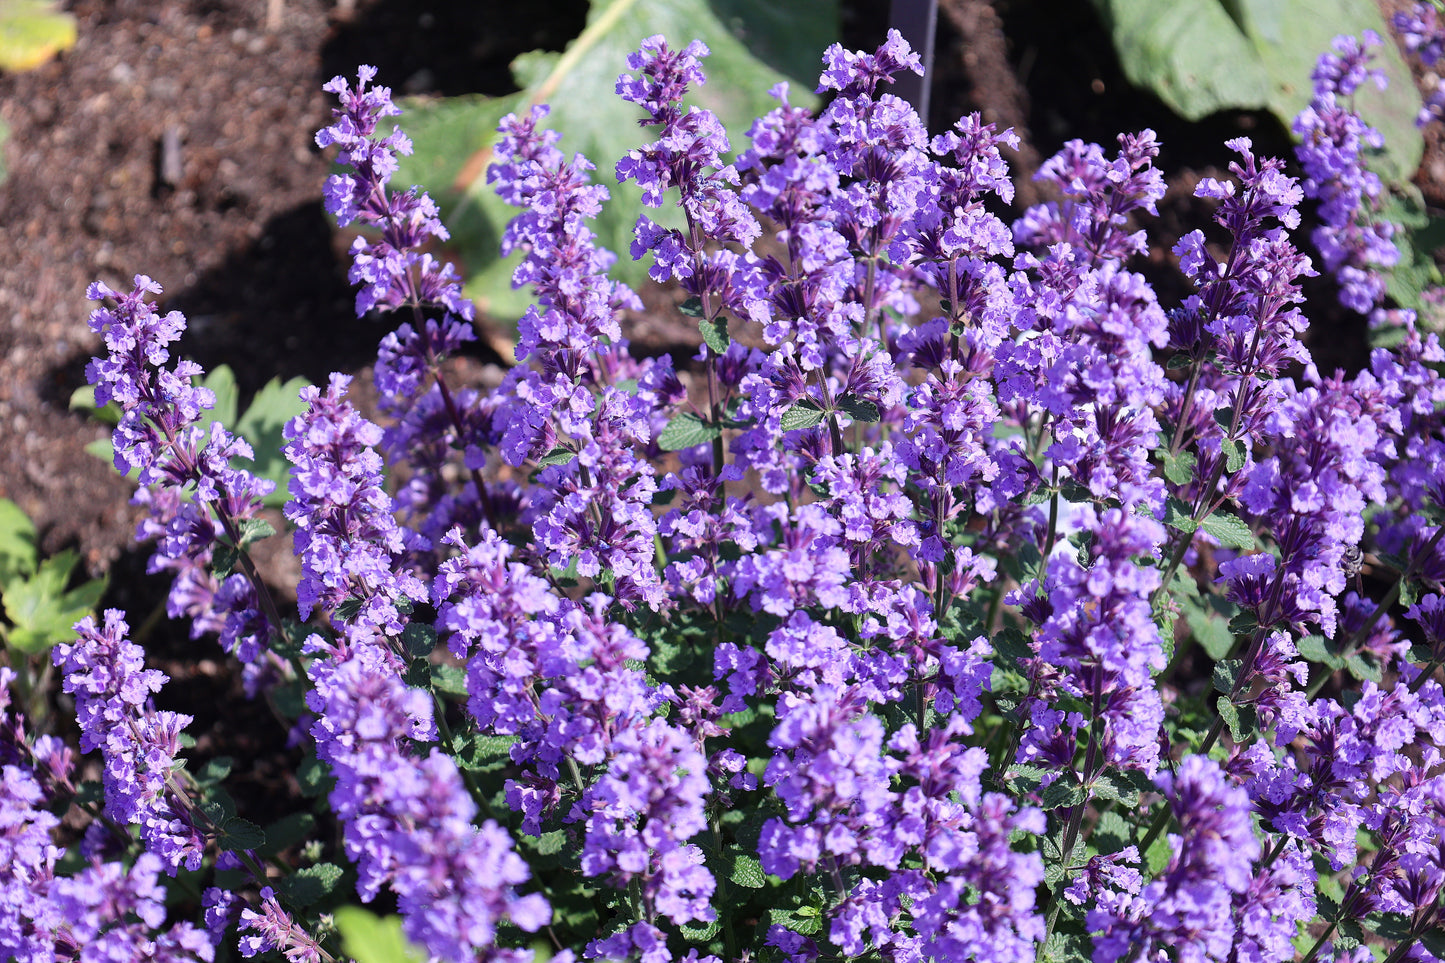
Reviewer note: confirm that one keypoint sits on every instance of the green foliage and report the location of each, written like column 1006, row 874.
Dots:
column 39, row 607
column 754, row 45
column 32, row 32
column 1203, row 56
column 368, row 938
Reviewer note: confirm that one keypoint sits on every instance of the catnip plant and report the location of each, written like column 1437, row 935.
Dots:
column 959, row 600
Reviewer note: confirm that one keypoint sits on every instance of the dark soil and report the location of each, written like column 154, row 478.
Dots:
column 175, row 140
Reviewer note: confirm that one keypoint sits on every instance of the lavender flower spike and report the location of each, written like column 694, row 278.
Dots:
column 105, row 673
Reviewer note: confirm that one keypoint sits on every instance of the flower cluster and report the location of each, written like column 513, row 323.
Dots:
column 957, row 601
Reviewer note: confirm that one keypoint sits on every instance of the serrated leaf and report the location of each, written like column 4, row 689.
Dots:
column 686, row 431
column 754, row 45
column 1179, row 361
column 550, row 843
column 1179, row 468
column 1203, row 56
column 1230, row 714
column 691, row 308
column 1178, row 516
column 1230, row 530
column 715, row 334
column 254, row 530
column 1064, row 791
column 241, row 834
column 557, row 456
column 1116, row 786
column 32, row 32
column 858, row 409
column 368, row 938
column 1233, row 455
column 348, row 609
column 18, row 553
column 804, row 414
column 310, row 884
column 1226, row 674
column 747, row 872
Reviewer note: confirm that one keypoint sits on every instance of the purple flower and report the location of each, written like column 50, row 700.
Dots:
column 160, row 435
column 1189, row 908
column 105, row 673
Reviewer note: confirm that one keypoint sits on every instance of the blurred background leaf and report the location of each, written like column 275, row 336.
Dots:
column 754, row 45
column 1203, row 56
column 33, row 31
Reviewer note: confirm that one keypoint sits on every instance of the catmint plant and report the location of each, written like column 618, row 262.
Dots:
column 963, row 598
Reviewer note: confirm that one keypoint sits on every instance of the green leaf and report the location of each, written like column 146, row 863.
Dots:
column 287, row 832
column 1233, row 455
column 858, row 409
column 754, row 43
column 1179, row 468
column 254, row 530
column 1230, row 714
column 419, row 639
column 1209, row 628
column 42, row 611
column 1362, row 668
column 18, row 553
column 747, row 872
column 551, row 843
column 1178, row 516
column 313, row 777
column 715, row 334
column 557, row 456
column 804, row 414
column 239, row 834
column 368, row 938
column 1064, row 791
column 449, row 680
column 691, row 308
column 1230, row 530
column 32, row 32
column 224, row 558
column 1159, row 854
column 309, row 885
column 1116, row 786
column 222, row 382
column 1317, row 649
column 262, row 425
column 686, row 431
column 1226, row 673
column 1203, row 56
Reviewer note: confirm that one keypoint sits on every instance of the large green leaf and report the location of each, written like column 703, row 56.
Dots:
column 1202, row 56
column 754, row 45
